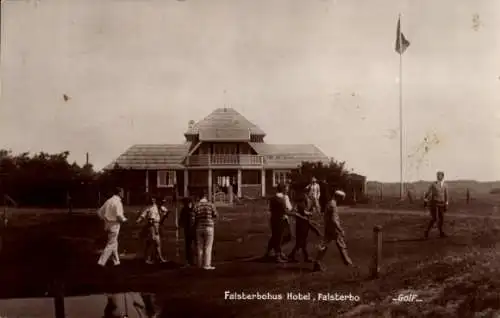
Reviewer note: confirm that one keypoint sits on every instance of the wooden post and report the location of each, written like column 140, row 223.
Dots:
column 209, row 181
column 177, row 252
column 3, row 227
column 239, row 184
column 69, row 202
column 59, row 300
column 263, row 183
column 186, row 183
column 377, row 255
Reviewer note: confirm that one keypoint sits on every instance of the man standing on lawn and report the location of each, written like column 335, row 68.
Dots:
column 314, row 195
column 279, row 206
column 302, row 226
column 153, row 215
column 323, row 200
column 189, row 231
column 333, row 232
column 437, row 200
column 111, row 212
column 203, row 219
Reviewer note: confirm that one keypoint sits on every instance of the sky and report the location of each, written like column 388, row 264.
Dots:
column 319, row 71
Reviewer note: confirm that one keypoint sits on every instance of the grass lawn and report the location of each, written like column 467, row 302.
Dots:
column 458, row 276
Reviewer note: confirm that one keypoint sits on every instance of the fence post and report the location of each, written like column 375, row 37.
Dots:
column 377, row 255
column 59, row 300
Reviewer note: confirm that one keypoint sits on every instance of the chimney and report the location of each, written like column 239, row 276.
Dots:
column 87, row 159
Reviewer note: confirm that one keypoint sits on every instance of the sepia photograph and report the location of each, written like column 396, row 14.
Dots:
column 249, row 158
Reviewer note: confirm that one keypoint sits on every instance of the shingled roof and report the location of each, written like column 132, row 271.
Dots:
column 152, row 157
column 224, row 118
column 288, row 156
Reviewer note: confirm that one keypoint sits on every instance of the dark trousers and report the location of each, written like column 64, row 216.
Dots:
column 437, row 214
column 189, row 243
column 302, row 233
column 276, row 237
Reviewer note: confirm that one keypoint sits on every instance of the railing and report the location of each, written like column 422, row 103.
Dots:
column 222, row 160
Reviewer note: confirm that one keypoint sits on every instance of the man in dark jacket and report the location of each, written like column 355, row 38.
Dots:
column 437, row 200
column 189, row 232
column 323, row 200
column 301, row 229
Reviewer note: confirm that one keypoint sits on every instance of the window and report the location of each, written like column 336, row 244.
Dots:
column 281, row 176
column 166, row 179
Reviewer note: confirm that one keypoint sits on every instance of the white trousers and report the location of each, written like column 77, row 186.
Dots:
column 111, row 249
column 204, row 244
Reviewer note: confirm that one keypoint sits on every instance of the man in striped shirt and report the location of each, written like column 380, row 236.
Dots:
column 203, row 219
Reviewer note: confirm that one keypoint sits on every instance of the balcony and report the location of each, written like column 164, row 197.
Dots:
column 225, row 160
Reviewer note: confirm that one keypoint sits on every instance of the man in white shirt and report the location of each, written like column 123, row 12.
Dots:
column 112, row 214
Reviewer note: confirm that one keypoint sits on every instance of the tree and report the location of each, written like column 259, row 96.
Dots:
column 42, row 179
column 333, row 172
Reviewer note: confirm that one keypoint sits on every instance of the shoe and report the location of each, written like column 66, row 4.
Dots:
column 280, row 260
column 443, row 235
column 209, row 268
column 317, row 267
column 149, row 262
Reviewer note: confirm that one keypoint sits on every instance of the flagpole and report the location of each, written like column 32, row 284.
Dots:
column 401, row 189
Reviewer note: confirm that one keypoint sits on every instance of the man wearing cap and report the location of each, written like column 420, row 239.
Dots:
column 314, row 194
column 333, row 232
column 112, row 214
column 436, row 199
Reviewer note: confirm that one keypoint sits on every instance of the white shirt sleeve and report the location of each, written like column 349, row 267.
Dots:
column 100, row 212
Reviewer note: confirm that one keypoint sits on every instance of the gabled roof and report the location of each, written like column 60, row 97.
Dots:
column 152, row 157
column 225, row 118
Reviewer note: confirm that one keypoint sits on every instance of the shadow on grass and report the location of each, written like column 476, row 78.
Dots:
column 408, row 240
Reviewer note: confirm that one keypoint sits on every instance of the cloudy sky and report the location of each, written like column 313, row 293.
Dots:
column 315, row 71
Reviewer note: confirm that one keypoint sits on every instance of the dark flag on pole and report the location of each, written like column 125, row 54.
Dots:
column 401, row 42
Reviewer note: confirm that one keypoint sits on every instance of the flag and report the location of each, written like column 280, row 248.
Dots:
column 401, row 42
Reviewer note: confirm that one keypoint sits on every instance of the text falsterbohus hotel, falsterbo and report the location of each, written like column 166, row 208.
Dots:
column 291, row 296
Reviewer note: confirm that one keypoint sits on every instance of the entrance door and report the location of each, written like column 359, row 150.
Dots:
column 225, row 184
